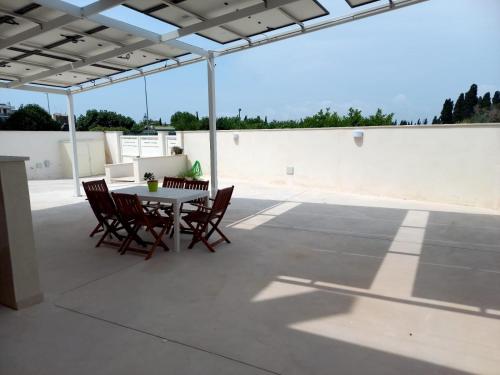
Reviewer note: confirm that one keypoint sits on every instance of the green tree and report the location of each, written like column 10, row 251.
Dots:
column 470, row 101
column 106, row 119
column 496, row 98
column 184, row 121
column 485, row 102
column 459, row 109
column 435, row 120
column 447, row 112
column 30, row 117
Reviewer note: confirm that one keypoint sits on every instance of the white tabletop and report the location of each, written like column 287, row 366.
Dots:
column 165, row 195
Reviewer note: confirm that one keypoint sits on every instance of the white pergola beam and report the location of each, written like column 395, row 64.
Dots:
column 212, row 124
column 74, row 146
column 85, row 11
column 43, row 89
column 225, row 18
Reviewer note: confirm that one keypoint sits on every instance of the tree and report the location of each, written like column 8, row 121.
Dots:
column 30, row 117
column 470, row 101
column 184, row 121
column 106, row 119
column 425, row 121
column 496, row 98
column 435, row 120
column 447, row 112
column 485, row 102
column 459, row 109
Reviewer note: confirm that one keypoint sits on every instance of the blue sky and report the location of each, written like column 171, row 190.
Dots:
column 406, row 62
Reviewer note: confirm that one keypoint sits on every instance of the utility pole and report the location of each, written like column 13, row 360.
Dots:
column 48, row 102
column 146, row 96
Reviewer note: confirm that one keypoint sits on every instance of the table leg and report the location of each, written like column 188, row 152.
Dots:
column 177, row 228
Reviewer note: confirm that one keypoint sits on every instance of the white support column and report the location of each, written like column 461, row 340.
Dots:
column 74, row 150
column 212, row 118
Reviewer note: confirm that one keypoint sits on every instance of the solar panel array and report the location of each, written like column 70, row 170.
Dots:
column 65, row 50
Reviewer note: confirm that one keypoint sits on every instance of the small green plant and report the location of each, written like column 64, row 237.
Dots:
column 149, row 176
column 194, row 172
column 189, row 174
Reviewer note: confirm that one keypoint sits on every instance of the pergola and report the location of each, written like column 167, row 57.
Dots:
column 55, row 47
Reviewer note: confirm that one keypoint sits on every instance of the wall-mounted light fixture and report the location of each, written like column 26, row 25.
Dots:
column 236, row 138
column 358, row 134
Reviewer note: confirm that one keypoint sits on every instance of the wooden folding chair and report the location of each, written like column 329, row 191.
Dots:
column 97, row 185
column 205, row 217
column 133, row 216
column 107, row 215
column 184, row 209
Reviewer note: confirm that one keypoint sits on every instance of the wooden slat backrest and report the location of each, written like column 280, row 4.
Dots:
column 173, row 182
column 96, row 185
column 221, row 201
column 197, row 185
column 129, row 206
column 102, row 203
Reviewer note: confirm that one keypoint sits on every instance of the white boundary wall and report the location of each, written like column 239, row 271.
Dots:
column 46, row 150
column 449, row 164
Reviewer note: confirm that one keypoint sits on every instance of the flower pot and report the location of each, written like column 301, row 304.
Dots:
column 153, row 186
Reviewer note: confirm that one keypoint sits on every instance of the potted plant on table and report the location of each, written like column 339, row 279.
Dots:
column 152, row 181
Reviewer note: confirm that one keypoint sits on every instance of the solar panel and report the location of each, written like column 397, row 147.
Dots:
column 357, row 3
column 185, row 13
column 75, row 41
column 50, row 43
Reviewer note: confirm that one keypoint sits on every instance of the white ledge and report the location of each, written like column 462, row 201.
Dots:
column 4, row 158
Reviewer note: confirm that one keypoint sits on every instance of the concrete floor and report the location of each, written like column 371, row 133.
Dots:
column 315, row 282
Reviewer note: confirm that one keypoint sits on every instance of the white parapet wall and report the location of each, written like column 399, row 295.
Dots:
column 160, row 166
column 48, row 152
column 450, row 164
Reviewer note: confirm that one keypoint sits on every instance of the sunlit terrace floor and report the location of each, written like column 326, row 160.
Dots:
column 314, row 283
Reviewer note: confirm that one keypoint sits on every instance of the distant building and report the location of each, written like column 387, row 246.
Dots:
column 6, row 110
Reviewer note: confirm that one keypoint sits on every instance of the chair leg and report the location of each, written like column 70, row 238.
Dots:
column 128, row 241
column 103, row 237
column 97, row 229
column 158, row 241
column 222, row 235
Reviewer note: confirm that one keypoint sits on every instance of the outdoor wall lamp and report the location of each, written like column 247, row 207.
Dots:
column 357, row 134
column 236, row 138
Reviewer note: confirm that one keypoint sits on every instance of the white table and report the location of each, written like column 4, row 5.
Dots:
column 165, row 195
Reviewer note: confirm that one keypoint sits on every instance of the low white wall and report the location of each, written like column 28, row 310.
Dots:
column 113, row 147
column 451, row 164
column 114, row 171
column 160, row 166
column 45, row 150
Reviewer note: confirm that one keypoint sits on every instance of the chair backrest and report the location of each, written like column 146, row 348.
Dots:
column 173, row 182
column 129, row 206
column 196, row 185
column 96, row 185
column 101, row 203
column 221, row 202
column 99, row 199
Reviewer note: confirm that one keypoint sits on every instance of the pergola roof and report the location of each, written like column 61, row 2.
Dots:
column 55, row 46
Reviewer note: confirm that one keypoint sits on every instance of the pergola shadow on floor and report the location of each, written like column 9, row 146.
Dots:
column 372, row 286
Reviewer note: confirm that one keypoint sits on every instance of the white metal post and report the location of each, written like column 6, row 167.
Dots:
column 212, row 118
column 74, row 150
